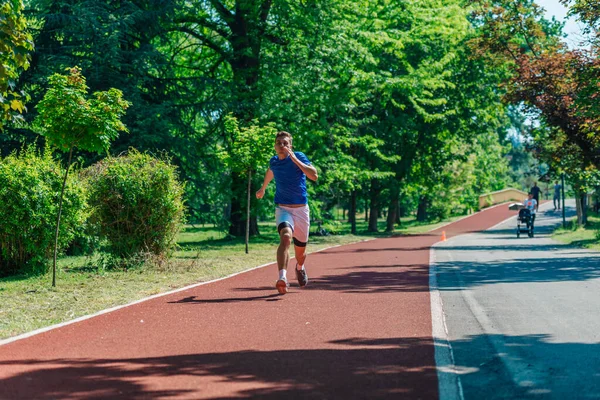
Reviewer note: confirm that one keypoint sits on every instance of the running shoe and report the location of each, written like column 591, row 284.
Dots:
column 302, row 277
column 282, row 286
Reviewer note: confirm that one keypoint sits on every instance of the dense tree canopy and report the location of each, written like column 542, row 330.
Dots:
column 401, row 105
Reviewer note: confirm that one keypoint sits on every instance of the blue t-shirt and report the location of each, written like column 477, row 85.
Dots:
column 290, row 181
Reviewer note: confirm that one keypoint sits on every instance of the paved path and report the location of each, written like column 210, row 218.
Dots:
column 361, row 329
column 521, row 314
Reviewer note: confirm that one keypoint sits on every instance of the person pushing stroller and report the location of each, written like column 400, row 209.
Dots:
column 531, row 204
column 527, row 216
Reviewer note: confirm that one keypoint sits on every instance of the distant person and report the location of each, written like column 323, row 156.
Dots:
column 535, row 191
column 556, row 198
column 531, row 204
column 290, row 169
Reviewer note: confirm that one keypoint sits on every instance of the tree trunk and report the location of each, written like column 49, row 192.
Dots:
column 237, row 225
column 392, row 216
column 584, row 207
column 245, row 64
column 422, row 209
column 366, row 210
column 60, row 203
column 352, row 212
column 374, row 211
column 579, row 207
column 248, row 209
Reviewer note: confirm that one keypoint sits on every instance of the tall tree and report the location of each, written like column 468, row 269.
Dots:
column 230, row 35
column 69, row 120
column 116, row 44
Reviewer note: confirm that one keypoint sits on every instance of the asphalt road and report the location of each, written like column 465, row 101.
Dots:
column 520, row 316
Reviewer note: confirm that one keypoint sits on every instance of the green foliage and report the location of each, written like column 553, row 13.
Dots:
column 587, row 11
column 30, row 185
column 251, row 146
column 15, row 45
column 137, row 203
column 116, row 45
column 68, row 119
column 385, row 96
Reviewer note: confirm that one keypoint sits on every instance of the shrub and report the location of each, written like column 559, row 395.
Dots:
column 86, row 240
column 30, row 184
column 137, row 203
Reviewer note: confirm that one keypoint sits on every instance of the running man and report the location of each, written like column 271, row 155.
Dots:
column 290, row 170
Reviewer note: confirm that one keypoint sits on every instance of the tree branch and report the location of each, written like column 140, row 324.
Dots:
column 206, row 41
column 265, row 8
column 227, row 16
column 203, row 21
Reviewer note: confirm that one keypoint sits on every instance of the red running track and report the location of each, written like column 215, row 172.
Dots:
column 361, row 329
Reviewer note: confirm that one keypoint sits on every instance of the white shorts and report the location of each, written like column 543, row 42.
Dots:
column 297, row 218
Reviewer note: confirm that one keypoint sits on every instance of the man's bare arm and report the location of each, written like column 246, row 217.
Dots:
column 309, row 170
column 268, row 178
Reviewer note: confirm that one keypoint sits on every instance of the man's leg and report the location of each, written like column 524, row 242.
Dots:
column 300, row 255
column 283, row 257
column 300, row 250
column 283, row 251
column 301, row 233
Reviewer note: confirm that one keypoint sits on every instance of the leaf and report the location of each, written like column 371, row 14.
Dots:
column 17, row 105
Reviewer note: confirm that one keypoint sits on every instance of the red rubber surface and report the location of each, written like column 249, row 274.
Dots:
column 360, row 329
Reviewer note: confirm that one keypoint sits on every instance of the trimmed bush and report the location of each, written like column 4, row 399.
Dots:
column 30, row 184
column 137, row 203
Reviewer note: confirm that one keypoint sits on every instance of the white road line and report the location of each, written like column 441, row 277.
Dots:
column 449, row 385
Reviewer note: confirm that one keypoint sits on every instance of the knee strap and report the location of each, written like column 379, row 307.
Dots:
column 284, row 225
column 299, row 243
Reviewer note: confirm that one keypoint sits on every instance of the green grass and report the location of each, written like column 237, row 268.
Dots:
column 586, row 237
column 84, row 286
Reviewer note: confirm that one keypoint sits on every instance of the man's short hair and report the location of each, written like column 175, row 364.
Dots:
column 288, row 135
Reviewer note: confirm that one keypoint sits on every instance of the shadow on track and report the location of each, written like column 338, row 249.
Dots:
column 395, row 370
column 196, row 300
column 373, row 368
column 400, row 278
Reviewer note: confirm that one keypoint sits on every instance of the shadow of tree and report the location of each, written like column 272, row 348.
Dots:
column 362, row 368
column 555, row 269
column 526, row 367
column 502, row 247
column 361, row 280
column 403, row 368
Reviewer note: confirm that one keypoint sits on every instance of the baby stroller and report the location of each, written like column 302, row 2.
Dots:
column 525, row 222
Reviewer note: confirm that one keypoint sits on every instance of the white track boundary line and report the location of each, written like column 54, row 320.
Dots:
column 108, row 310
column 469, row 216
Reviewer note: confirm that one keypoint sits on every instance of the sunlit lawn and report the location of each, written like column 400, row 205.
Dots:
column 586, row 237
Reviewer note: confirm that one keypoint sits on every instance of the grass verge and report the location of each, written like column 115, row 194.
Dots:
column 587, row 236
column 84, row 286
